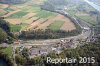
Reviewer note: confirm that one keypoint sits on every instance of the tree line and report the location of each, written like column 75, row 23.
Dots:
column 47, row 34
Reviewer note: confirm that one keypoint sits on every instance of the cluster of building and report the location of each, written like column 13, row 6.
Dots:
column 56, row 47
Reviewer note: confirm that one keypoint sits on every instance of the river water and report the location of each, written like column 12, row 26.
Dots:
column 3, row 62
column 97, row 7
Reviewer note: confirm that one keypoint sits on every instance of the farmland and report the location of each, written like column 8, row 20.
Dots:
column 44, row 14
column 56, row 25
column 85, row 13
column 18, row 14
column 15, row 28
column 31, row 17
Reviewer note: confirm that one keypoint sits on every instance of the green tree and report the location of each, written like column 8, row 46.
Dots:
column 20, row 60
column 5, row 25
column 3, row 35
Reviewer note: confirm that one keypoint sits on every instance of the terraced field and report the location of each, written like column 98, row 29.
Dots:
column 29, row 17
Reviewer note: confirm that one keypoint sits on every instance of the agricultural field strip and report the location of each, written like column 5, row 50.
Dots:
column 56, row 25
column 2, row 11
column 47, row 23
column 29, row 15
column 15, row 28
column 11, row 13
column 24, row 19
column 68, row 25
column 20, row 6
column 36, row 24
column 28, row 22
column 3, row 6
column 14, row 8
column 51, row 20
column 13, row 20
column 19, row 14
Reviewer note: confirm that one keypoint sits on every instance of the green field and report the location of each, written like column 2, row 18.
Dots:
column 7, row 51
column 56, row 25
column 34, row 9
column 1, row 14
column 8, row 9
column 88, row 19
column 39, row 13
column 44, row 14
column 15, row 28
column 18, row 14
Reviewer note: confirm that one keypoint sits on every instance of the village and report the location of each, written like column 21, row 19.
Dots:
column 43, row 47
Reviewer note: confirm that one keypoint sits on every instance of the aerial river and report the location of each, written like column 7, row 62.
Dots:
column 97, row 7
